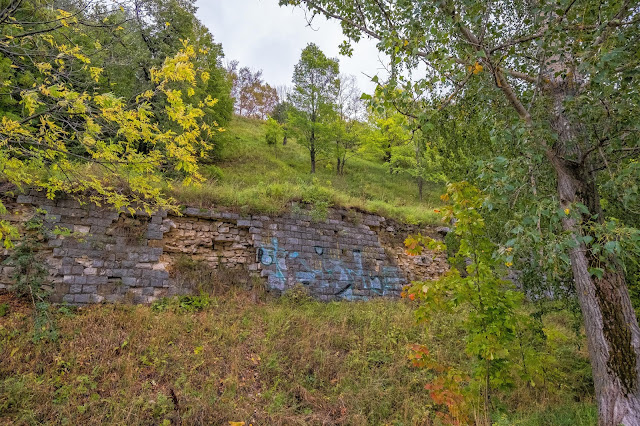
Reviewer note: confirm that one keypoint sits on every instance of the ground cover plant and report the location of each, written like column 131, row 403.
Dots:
column 241, row 356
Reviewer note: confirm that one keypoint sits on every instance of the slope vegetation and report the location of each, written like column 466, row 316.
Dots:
column 250, row 176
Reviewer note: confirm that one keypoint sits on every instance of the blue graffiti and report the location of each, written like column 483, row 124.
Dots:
column 274, row 255
column 326, row 272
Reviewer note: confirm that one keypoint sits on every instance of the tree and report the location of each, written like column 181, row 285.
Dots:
column 152, row 31
column 347, row 127
column 316, row 83
column 272, row 132
column 64, row 133
column 416, row 157
column 564, row 79
column 281, row 115
column 254, row 98
column 392, row 130
column 491, row 303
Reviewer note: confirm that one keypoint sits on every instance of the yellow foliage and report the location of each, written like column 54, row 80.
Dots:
column 34, row 151
column 475, row 68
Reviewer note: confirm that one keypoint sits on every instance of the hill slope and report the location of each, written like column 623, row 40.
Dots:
column 253, row 177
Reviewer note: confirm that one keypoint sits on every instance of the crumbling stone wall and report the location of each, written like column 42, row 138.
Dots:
column 113, row 257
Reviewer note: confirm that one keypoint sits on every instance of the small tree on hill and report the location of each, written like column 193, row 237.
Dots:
column 272, row 132
column 315, row 80
column 281, row 115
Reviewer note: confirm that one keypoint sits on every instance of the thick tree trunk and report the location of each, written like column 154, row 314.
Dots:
column 611, row 327
column 613, row 335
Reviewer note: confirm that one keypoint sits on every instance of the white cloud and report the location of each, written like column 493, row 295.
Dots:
column 262, row 35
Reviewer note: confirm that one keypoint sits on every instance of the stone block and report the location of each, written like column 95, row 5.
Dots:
column 24, row 199
column 79, row 279
column 97, row 279
column 154, row 235
column 81, row 229
column 75, row 288
column 82, row 298
column 97, row 298
column 113, row 298
column 89, row 289
column 55, row 243
column 52, row 218
column 130, row 281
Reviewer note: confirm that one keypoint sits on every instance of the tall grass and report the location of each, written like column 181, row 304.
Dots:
column 245, row 357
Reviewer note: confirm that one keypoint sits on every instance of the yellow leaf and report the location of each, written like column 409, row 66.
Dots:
column 237, row 423
column 566, row 211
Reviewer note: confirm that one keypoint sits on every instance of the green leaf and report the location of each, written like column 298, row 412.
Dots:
column 596, row 272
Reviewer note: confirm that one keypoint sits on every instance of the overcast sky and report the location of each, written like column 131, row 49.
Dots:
column 262, row 35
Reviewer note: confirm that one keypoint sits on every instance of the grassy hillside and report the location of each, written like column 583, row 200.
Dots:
column 243, row 357
column 251, row 176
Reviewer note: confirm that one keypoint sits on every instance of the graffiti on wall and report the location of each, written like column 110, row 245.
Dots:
column 331, row 275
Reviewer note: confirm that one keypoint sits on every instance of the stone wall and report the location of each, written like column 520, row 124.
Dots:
column 111, row 257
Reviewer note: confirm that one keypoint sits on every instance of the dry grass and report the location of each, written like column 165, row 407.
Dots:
column 271, row 362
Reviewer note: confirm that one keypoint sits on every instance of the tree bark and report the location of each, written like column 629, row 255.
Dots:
column 611, row 326
column 312, row 154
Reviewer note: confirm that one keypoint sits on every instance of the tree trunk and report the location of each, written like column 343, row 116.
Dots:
column 613, row 335
column 284, row 140
column 611, row 327
column 420, row 187
column 312, row 148
column 312, row 154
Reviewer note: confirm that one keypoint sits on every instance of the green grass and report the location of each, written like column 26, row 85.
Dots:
column 563, row 415
column 253, row 177
column 245, row 357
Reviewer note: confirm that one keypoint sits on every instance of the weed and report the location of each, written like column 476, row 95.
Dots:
column 286, row 361
column 30, row 277
column 183, row 304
